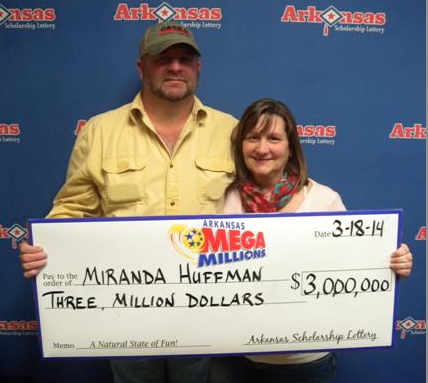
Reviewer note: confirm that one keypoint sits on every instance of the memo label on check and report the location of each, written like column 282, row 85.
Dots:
column 163, row 286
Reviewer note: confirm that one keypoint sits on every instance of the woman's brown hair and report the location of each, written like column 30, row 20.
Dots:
column 268, row 108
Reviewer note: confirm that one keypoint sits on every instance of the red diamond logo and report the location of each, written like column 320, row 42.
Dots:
column 17, row 232
column 4, row 14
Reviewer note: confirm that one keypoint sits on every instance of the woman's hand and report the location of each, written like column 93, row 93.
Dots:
column 401, row 261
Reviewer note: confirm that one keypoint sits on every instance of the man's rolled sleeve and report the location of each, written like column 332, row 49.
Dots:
column 79, row 196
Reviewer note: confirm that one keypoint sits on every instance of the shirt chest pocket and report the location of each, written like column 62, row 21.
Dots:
column 125, row 180
column 213, row 176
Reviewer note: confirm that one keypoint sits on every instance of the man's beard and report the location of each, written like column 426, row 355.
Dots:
column 171, row 96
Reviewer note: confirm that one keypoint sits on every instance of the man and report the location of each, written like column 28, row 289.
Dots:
column 165, row 153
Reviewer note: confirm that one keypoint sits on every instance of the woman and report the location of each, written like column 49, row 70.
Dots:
column 271, row 176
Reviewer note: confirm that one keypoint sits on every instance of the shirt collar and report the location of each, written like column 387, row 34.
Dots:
column 199, row 112
column 137, row 112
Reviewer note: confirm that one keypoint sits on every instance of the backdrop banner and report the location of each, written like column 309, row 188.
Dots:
column 352, row 73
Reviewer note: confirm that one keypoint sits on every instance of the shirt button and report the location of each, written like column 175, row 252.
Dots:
column 171, row 165
column 172, row 203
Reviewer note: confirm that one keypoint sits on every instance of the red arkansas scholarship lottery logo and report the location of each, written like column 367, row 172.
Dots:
column 190, row 17
column 217, row 242
column 15, row 233
column 18, row 327
column 317, row 134
column 422, row 234
column 411, row 326
column 415, row 132
column 338, row 20
column 9, row 133
column 79, row 126
column 27, row 18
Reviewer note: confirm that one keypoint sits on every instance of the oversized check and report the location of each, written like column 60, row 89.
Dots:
column 214, row 285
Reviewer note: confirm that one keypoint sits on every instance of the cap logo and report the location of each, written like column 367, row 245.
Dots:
column 166, row 30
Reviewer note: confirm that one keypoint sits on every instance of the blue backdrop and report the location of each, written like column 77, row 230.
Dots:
column 352, row 72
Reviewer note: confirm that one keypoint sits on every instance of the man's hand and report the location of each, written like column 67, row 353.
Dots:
column 32, row 258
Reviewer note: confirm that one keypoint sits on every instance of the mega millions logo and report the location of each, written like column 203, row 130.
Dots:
column 27, row 18
column 194, row 17
column 411, row 326
column 337, row 20
column 217, row 242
